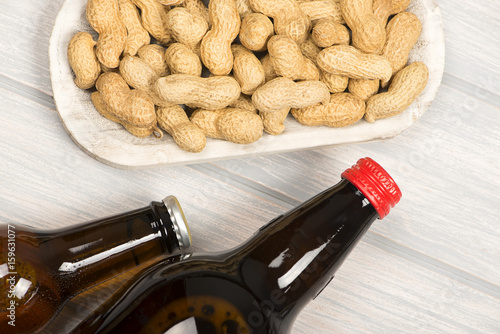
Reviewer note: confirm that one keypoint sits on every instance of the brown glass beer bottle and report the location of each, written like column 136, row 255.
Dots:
column 262, row 285
column 41, row 269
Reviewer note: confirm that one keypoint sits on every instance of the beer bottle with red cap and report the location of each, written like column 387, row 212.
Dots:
column 260, row 286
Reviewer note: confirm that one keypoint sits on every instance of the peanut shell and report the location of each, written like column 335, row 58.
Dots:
column 83, row 60
column 187, row 136
column 404, row 89
column 288, row 61
column 335, row 83
column 327, row 32
column 255, row 31
column 343, row 109
column 132, row 106
column 186, row 27
column 104, row 17
column 402, row 34
column 238, row 126
column 247, row 69
column 348, row 61
column 207, row 93
column 382, row 9
column 140, row 132
column 281, row 93
column 322, row 9
column 154, row 56
column 274, row 121
column 215, row 47
column 154, row 19
column 289, row 20
column 182, row 60
column 137, row 36
column 368, row 32
column 363, row 89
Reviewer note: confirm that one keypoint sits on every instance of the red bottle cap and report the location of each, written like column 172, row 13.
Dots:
column 375, row 183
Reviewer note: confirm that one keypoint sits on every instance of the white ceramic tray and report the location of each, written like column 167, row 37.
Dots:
column 110, row 143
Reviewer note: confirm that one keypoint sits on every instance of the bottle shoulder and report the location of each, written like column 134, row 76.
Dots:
column 196, row 295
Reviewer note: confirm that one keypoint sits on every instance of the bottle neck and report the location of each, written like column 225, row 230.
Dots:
column 87, row 254
column 297, row 254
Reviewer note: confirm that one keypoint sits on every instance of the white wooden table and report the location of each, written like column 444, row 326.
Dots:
column 432, row 266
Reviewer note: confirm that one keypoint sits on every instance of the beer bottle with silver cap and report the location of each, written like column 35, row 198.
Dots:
column 262, row 285
column 42, row 269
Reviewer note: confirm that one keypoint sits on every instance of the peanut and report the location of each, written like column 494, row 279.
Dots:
column 216, row 45
column 327, row 32
column 244, row 102
column 335, row 83
column 182, row 60
column 137, row 73
column 289, row 20
column 132, row 106
column 255, row 31
column 281, row 93
column 288, row 61
column 101, row 107
column 208, row 93
column 343, row 109
column 187, row 28
column 322, row 9
column 247, row 69
column 349, row 61
column 197, row 7
column 154, row 55
column 154, row 19
column 187, row 136
column 83, row 60
column 243, row 7
column 402, row 34
column 106, row 69
column 364, row 89
column 104, row 17
column 274, row 121
column 140, row 75
column 385, row 8
column 137, row 36
column 238, row 126
column 171, row 2
column 368, row 33
column 309, row 49
column 269, row 71
column 406, row 86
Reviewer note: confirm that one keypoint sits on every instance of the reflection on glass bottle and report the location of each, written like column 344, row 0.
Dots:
column 41, row 269
column 261, row 285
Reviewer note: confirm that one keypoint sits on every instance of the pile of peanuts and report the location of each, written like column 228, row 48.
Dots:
column 327, row 62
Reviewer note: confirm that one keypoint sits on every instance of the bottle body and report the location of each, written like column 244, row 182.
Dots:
column 42, row 269
column 258, row 287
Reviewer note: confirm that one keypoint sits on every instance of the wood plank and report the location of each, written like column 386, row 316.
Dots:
column 26, row 27
column 376, row 292
column 472, row 34
column 449, row 153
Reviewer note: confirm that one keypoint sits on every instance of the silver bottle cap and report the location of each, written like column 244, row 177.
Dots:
column 179, row 221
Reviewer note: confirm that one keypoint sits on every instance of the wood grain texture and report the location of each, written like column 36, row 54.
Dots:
column 431, row 266
column 26, row 27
